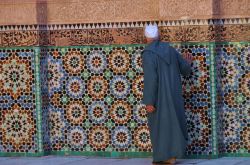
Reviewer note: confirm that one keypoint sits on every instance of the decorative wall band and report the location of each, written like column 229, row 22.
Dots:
column 232, row 21
column 75, row 37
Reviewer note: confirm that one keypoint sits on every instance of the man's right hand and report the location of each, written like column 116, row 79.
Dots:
column 188, row 57
column 150, row 108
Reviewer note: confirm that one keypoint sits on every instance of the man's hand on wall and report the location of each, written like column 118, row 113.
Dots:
column 150, row 108
column 188, row 57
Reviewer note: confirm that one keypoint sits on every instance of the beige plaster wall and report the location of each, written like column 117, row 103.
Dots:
column 15, row 12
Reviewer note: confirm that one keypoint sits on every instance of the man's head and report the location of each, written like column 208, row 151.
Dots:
column 151, row 32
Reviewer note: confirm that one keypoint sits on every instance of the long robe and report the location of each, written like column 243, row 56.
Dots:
column 163, row 66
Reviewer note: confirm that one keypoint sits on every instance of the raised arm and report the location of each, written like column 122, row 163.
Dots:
column 184, row 63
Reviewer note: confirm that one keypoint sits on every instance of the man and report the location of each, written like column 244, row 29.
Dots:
column 162, row 95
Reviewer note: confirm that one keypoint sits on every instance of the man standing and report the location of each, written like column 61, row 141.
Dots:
column 162, row 95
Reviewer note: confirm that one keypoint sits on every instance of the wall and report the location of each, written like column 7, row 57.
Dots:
column 102, row 11
column 47, row 55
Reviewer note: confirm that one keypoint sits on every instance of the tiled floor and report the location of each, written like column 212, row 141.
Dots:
column 77, row 160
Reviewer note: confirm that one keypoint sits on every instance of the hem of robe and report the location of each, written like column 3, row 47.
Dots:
column 164, row 158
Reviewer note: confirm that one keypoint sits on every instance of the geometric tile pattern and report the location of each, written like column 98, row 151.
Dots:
column 197, row 92
column 18, row 117
column 95, row 99
column 233, row 70
column 91, row 99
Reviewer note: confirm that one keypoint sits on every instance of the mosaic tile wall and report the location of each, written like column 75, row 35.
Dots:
column 105, row 113
column 197, row 94
column 19, row 120
column 91, row 100
column 233, row 70
column 94, row 99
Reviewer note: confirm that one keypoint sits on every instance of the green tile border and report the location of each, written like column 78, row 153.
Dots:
column 234, row 155
column 115, row 154
column 201, row 156
column 213, row 91
column 38, row 99
column 16, row 154
column 81, row 153
column 101, row 154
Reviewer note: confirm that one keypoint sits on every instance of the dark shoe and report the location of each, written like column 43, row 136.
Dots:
column 160, row 162
column 169, row 161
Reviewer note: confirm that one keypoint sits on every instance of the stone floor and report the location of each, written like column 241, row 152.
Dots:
column 79, row 160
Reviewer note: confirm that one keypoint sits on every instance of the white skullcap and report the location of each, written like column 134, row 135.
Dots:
column 151, row 31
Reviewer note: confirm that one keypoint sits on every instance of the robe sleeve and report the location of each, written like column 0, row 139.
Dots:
column 185, row 67
column 150, row 78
